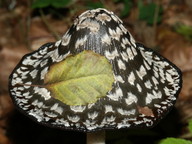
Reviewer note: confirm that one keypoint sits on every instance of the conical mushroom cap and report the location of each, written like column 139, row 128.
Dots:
column 139, row 87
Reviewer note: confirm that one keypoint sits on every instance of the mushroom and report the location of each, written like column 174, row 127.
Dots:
column 96, row 77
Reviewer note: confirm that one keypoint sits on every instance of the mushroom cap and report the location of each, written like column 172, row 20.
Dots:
column 144, row 90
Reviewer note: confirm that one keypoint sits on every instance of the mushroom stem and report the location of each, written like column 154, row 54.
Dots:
column 96, row 137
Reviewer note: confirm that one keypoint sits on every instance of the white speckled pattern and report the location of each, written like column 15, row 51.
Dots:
column 143, row 78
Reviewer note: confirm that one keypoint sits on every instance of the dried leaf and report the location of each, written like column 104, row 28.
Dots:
column 186, row 91
column 176, row 49
column 6, row 105
column 9, row 57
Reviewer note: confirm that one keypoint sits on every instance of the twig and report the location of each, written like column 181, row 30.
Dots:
column 96, row 137
column 28, row 24
column 156, row 15
column 57, row 37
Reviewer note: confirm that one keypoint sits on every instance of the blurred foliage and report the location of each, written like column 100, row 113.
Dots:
column 93, row 5
column 184, row 30
column 54, row 3
column 178, row 140
column 190, row 126
column 127, row 6
column 147, row 12
column 175, row 141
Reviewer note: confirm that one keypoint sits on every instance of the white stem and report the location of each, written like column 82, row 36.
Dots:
column 96, row 137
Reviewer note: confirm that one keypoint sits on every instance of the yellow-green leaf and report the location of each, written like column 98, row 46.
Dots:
column 175, row 141
column 190, row 126
column 81, row 79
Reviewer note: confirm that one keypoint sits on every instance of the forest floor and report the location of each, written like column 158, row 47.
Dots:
column 23, row 29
